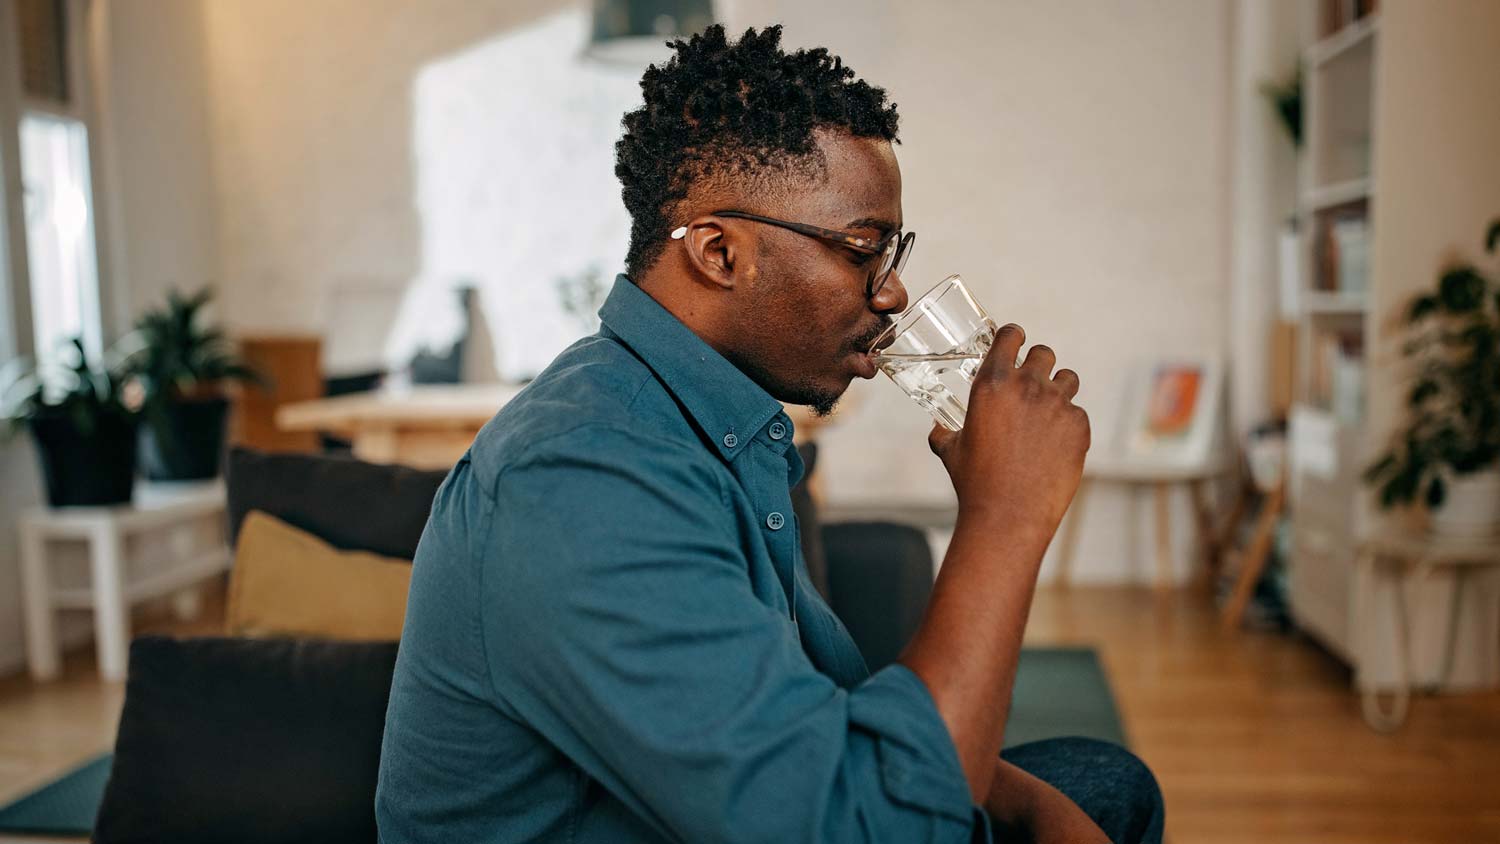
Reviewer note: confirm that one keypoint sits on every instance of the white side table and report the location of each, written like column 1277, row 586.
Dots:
column 105, row 530
column 1384, row 559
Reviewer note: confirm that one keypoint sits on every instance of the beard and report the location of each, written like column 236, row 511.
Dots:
column 801, row 390
column 821, row 402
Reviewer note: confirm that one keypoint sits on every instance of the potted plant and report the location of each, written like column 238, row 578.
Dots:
column 1286, row 98
column 83, row 418
column 1448, row 454
column 184, row 367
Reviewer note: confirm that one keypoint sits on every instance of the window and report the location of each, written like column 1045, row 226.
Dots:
column 56, row 194
column 59, row 234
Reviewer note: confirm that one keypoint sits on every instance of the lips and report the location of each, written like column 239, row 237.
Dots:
column 864, row 362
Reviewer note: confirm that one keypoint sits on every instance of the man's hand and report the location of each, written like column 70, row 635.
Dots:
column 1015, row 466
column 1024, row 808
column 1020, row 452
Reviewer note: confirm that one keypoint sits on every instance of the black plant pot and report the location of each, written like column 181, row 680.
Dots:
column 184, row 439
column 93, row 469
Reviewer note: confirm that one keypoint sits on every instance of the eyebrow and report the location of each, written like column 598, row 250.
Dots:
column 883, row 226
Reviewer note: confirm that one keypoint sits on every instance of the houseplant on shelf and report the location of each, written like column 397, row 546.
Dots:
column 185, row 368
column 83, row 417
column 1448, row 454
column 1286, row 98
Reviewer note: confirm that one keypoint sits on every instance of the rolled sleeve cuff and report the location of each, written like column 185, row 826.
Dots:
column 919, row 765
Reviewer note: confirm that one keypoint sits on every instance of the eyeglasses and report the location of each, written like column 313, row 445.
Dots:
column 893, row 249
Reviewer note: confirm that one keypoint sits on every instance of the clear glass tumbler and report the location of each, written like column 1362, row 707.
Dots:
column 933, row 350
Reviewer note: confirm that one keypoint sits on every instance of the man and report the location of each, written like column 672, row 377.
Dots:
column 611, row 635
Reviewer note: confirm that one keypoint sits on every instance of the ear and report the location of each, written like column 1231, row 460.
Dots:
column 712, row 250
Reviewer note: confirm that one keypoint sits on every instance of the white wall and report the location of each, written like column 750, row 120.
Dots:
column 1436, row 162
column 154, row 117
column 1071, row 160
column 1264, row 194
column 319, row 155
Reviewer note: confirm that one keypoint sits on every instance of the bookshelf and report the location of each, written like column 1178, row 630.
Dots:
column 1337, row 206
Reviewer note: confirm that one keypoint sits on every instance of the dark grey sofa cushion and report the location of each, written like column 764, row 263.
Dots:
column 879, row 577
column 350, row 504
column 248, row 740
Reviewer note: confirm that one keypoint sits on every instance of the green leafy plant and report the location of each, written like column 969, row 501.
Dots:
column 78, row 389
column 1454, row 403
column 1286, row 98
column 179, row 356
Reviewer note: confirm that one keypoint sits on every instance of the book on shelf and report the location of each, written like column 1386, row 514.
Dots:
column 1342, row 251
column 1337, row 14
column 1337, row 379
column 1351, row 253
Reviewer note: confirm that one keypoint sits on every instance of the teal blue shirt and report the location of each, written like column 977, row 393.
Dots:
column 611, row 635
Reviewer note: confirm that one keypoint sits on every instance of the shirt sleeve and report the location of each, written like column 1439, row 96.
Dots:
column 621, row 624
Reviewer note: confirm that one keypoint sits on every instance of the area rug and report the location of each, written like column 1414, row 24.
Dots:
column 1062, row 692
column 65, row 806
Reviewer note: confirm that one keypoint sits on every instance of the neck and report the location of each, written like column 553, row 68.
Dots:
column 690, row 302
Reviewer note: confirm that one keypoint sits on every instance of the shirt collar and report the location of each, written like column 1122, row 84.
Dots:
column 730, row 408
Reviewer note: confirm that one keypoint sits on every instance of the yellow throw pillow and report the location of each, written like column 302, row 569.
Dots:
column 287, row 582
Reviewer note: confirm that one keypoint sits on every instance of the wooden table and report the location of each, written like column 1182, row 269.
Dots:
column 428, row 426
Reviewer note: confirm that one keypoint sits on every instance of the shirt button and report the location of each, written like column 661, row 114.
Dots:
column 778, row 430
column 730, row 440
column 775, row 521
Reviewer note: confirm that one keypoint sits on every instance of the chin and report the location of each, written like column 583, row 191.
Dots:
column 821, row 399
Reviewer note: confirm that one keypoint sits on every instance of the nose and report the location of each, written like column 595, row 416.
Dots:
column 891, row 297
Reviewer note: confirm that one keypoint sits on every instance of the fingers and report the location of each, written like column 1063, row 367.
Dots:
column 1040, row 360
column 1003, row 352
column 939, row 439
column 1067, row 380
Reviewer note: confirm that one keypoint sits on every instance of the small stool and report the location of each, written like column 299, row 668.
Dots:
column 157, row 506
column 1384, row 558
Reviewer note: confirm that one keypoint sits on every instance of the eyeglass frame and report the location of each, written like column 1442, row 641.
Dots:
column 863, row 245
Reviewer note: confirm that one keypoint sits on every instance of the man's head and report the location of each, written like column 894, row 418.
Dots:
column 792, row 136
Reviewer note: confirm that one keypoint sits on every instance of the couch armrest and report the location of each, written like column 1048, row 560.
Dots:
column 879, row 579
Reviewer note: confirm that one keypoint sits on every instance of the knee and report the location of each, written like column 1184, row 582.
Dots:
column 1126, row 769
column 1107, row 781
column 1139, row 799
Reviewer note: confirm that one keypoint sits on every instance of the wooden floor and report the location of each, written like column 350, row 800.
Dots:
column 1255, row 737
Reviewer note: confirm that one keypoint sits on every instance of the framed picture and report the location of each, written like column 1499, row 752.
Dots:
column 1174, row 412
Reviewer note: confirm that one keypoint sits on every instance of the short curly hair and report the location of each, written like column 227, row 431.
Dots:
column 744, row 112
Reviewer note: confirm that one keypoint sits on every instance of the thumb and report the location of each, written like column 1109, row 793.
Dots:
column 940, row 439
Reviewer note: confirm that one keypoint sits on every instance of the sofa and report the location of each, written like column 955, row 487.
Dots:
column 231, row 739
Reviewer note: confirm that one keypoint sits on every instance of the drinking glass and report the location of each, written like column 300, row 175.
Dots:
column 934, row 349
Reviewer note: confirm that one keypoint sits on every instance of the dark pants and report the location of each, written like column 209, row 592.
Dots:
column 1107, row 781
